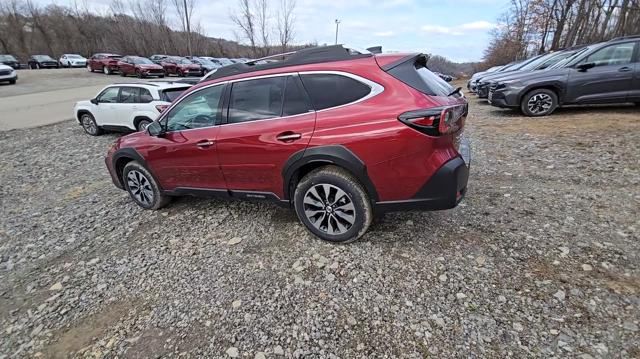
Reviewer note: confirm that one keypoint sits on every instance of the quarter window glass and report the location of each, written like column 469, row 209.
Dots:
column 295, row 100
column 200, row 109
column 330, row 90
column 109, row 95
column 256, row 99
column 612, row 55
column 145, row 96
column 129, row 95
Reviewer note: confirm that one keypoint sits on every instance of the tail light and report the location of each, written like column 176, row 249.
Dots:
column 436, row 121
column 161, row 108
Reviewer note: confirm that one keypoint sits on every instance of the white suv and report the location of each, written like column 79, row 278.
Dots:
column 126, row 107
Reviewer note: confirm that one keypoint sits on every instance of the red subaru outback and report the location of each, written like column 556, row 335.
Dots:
column 334, row 133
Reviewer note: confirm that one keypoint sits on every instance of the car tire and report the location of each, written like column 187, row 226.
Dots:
column 343, row 214
column 106, row 70
column 142, row 124
column 161, row 76
column 89, row 68
column 123, row 74
column 37, row 66
column 180, row 73
column 139, row 74
column 89, row 125
column 142, row 187
column 539, row 102
column 12, row 82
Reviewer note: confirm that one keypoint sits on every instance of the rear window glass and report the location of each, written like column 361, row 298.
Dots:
column 331, row 90
column 171, row 94
column 295, row 100
column 418, row 76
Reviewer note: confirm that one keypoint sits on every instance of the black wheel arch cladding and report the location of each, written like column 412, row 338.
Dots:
column 326, row 155
column 129, row 154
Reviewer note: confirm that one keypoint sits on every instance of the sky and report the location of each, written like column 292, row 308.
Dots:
column 458, row 30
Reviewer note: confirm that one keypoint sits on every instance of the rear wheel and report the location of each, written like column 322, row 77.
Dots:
column 89, row 125
column 539, row 102
column 143, row 124
column 333, row 205
column 122, row 73
column 37, row 66
column 142, row 187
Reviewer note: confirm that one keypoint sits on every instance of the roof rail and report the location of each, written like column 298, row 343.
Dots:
column 309, row 55
column 626, row 37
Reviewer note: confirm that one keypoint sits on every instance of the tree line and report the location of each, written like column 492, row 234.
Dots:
column 536, row 26
column 142, row 27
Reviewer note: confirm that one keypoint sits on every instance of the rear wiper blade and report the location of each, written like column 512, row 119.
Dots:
column 455, row 91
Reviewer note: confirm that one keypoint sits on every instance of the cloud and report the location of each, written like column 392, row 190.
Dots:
column 477, row 25
column 384, row 33
column 442, row 30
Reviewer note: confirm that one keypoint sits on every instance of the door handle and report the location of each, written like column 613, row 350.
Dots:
column 204, row 143
column 624, row 69
column 289, row 136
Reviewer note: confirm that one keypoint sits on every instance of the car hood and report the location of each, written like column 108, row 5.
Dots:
column 150, row 67
column 494, row 75
column 535, row 76
column 5, row 67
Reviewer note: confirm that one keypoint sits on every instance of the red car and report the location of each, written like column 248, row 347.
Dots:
column 335, row 134
column 174, row 65
column 139, row 66
column 106, row 63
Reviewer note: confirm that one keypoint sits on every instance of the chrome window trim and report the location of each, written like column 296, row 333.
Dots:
column 375, row 87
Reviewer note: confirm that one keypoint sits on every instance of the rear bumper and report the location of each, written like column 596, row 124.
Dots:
column 444, row 190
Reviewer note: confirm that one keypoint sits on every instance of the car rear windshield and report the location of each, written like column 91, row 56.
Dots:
column 416, row 74
column 170, row 95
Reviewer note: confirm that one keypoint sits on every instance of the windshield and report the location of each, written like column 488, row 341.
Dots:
column 142, row 61
column 114, row 56
column 509, row 66
column 535, row 63
column 225, row 62
column 205, row 62
column 493, row 69
column 7, row 58
column 569, row 59
column 182, row 61
column 522, row 64
column 73, row 56
column 43, row 58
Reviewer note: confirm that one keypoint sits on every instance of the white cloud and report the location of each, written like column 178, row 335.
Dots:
column 442, row 30
column 477, row 25
column 384, row 33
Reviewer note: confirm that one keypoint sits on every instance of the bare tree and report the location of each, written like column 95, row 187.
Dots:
column 184, row 9
column 262, row 13
column 245, row 21
column 286, row 23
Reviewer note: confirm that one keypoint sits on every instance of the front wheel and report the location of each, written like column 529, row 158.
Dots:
column 142, row 187
column 539, row 102
column 89, row 125
column 106, row 70
column 143, row 124
column 89, row 68
column 333, row 205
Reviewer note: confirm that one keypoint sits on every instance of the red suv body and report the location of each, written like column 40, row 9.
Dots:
column 337, row 135
column 139, row 66
column 180, row 66
column 106, row 63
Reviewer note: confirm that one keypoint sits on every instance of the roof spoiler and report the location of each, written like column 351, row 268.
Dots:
column 375, row 49
column 422, row 58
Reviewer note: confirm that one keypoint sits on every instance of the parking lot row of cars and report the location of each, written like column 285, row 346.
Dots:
column 606, row 72
column 109, row 63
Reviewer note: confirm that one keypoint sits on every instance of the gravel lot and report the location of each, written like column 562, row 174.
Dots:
column 540, row 260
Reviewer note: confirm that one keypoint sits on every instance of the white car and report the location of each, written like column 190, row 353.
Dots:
column 8, row 74
column 72, row 60
column 127, row 106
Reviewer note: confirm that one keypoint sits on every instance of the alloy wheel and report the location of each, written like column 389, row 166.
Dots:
column 539, row 103
column 89, row 125
column 105, row 70
column 329, row 209
column 140, row 187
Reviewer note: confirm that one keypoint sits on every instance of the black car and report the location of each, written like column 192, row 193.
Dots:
column 157, row 59
column 607, row 72
column 42, row 62
column 10, row 60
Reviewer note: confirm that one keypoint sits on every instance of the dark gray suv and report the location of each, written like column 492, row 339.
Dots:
column 607, row 72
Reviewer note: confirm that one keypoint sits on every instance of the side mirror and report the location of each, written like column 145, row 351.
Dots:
column 155, row 129
column 94, row 101
column 586, row 66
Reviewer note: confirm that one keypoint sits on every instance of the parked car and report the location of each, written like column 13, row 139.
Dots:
column 606, row 72
column 72, row 60
column 157, row 59
column 205, row 64
column 175, row 65
column 105, row 63
column 42, row 62
column 10, row 60
column 141, row 67
column 126, row 107
column 330, row 132
column 478, row 74
column 542, row 62
column 8, row 74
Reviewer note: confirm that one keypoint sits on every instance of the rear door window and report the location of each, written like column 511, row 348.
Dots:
column 258, row 99
column 331, row 90
column 129, row 95
column 145, row 96
column 295, row 98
